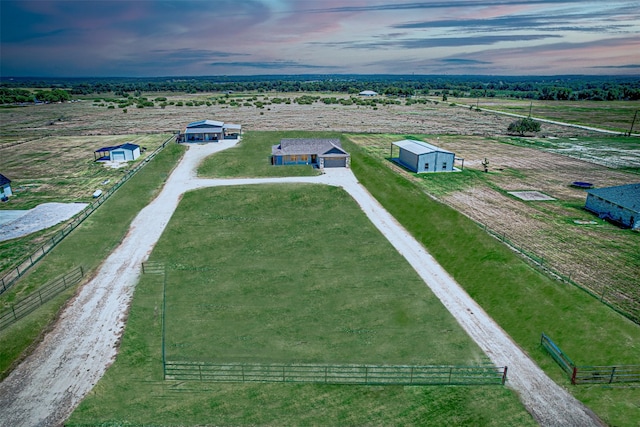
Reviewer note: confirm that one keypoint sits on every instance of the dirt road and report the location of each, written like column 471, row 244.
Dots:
column 49, row 384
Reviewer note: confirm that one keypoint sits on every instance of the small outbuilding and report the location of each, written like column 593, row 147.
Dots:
column 421, row 157
column 210, row 131
column 321, row 153
column 619, row 204
column 119, row 153
column 5, row 187
column 368, row 93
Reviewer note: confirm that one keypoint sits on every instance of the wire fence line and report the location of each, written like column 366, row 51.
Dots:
column 590, row 374
column 16, row 272
column 618, row 302
column 335, row 374
column 27, row 305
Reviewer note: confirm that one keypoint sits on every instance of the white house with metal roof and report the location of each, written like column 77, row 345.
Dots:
column 210, row 131
column 619, row 204
column 421, row 157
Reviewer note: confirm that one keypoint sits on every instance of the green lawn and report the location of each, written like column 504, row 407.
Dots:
column 274, row 279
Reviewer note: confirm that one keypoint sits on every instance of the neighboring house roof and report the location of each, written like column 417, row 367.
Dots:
column 419, row 147
column 127, row 146
column 627, row 196
column 205, row 124
column 321, row 147
column 368, row 93
column 4, row 180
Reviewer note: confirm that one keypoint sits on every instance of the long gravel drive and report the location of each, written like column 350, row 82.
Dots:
column 45, row 388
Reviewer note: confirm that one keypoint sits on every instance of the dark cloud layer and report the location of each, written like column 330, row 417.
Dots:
column 188, row 37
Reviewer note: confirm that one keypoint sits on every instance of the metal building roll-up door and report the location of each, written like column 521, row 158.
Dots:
column 117, row 156
column 335, row 162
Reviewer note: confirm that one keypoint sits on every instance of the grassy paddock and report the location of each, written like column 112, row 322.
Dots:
column 114, row 215
column 251, row 158
column 274, row 279
column 262, row 285
column 523, row 301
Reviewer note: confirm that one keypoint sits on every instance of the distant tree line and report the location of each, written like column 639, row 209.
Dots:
column 595, row 88
column 20, row 96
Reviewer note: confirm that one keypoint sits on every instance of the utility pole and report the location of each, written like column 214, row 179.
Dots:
column 633, row 122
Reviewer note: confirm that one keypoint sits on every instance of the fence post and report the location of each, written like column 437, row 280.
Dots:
column 613, row 374
column 366, row 375
column 450, row 372
column 504, row 375
column 13, row 309
column 411, row 377
column 573, row 375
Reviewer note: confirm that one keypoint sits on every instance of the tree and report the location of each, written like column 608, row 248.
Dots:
column 524, row 125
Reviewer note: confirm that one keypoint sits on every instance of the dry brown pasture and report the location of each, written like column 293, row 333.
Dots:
column 588, row 253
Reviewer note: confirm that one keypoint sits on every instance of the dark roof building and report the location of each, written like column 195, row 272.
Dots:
column 5, row 187
column 619, row 204
column 323, row 153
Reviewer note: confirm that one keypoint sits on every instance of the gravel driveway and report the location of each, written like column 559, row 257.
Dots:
column 51, row 382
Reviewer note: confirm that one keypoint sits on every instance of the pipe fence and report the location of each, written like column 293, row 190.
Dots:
column 336, row 374
column 590, row 374
column 27, row 305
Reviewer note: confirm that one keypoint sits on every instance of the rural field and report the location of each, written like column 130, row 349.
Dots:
column 556, row 234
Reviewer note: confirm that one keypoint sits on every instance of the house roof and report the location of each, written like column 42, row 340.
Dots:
column 419, row 147
column 368, row 93
column 126, row 146
column 129, row 146
column 4, row 180
column 205, row 123
column 321, row 147
column 627, row 196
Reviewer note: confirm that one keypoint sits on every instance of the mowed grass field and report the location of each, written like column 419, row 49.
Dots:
column 286, row 274
column 296, row 274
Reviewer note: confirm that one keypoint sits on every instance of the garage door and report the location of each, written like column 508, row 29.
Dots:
column 339, row 162
column 117, row 156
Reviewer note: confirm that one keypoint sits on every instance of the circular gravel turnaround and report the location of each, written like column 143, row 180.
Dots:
column 51, row 382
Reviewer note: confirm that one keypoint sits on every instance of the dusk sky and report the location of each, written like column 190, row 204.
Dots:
column 146, row 38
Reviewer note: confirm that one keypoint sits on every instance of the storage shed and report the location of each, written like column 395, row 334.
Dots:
column 5, row 187
column 119, row 153
column 619, row 204
column 421, row 157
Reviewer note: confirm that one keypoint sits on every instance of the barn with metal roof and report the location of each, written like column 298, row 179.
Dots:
column 119, row 153
column 422, row 157
column 210, row 131
column 619, row 204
